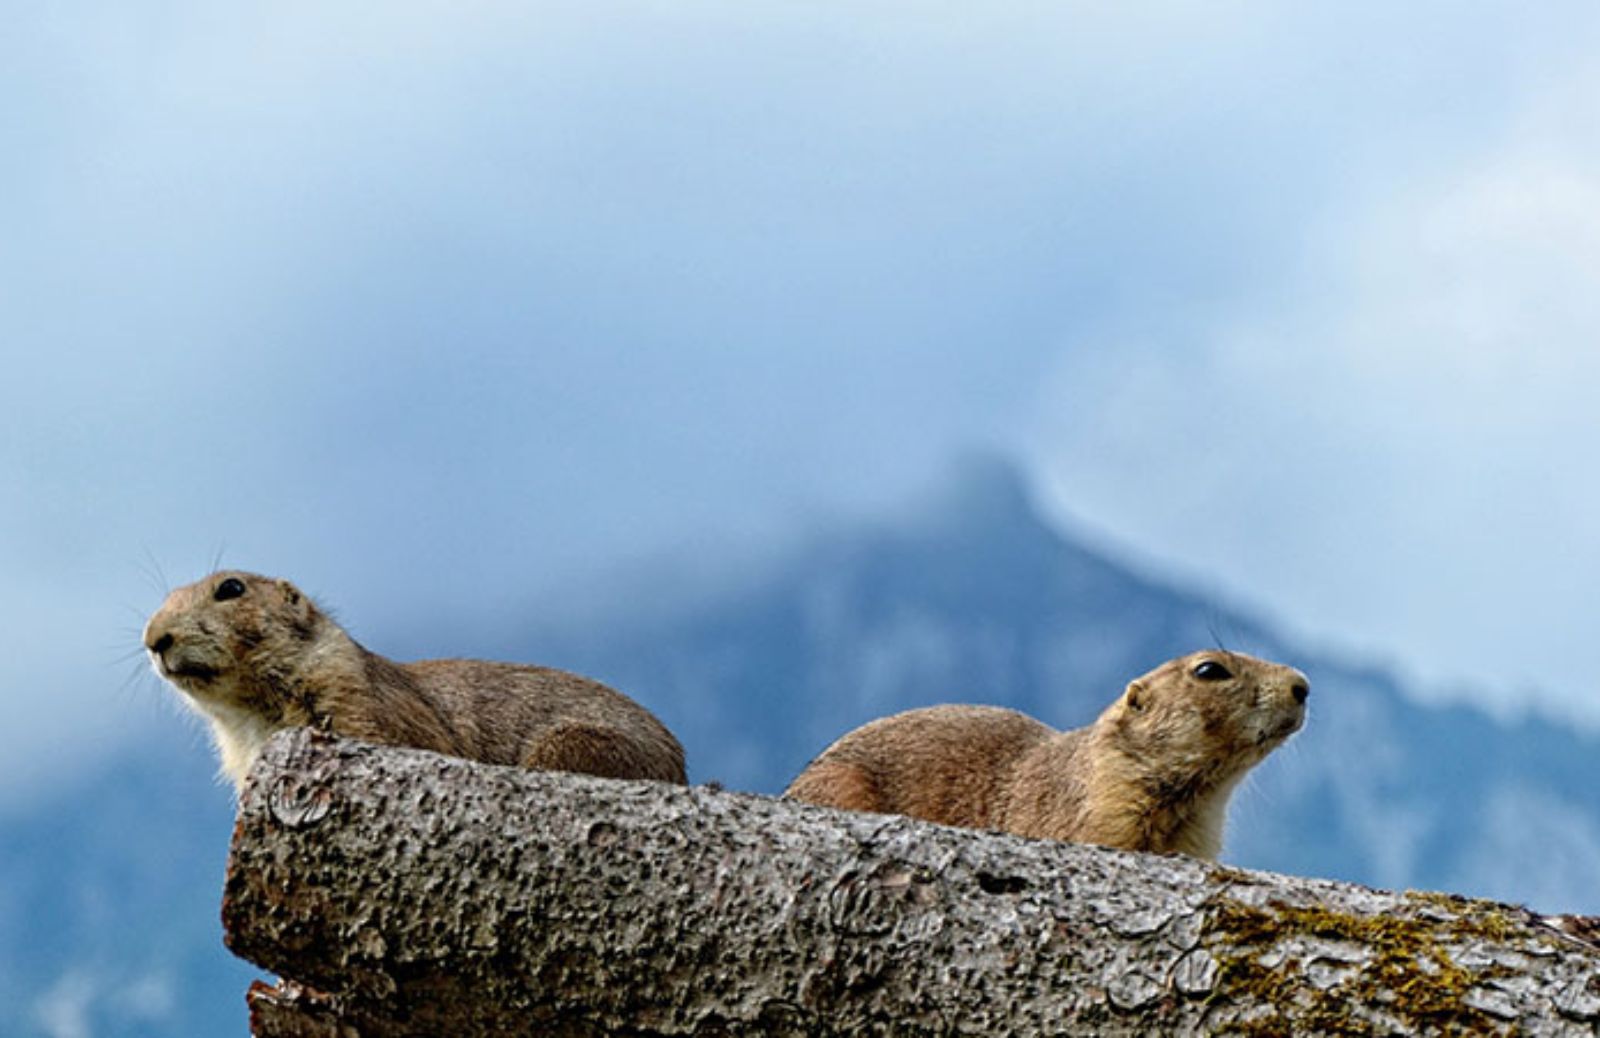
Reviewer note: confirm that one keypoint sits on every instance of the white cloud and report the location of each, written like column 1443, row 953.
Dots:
column 1397, row 447
column 67, row 1009
column 464, row 302
column 63, row 1011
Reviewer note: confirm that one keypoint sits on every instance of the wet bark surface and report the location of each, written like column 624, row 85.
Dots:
column 399, row 892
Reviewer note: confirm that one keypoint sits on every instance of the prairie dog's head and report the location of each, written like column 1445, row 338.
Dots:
column 1211, row 713
column 231, row 641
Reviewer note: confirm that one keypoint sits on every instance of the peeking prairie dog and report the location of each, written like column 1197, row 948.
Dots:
column 255, row 655
column 1152, row 773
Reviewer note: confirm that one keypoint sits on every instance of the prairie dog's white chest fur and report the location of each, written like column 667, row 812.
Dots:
column 239, row 735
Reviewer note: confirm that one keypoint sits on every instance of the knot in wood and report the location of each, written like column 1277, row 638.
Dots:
column 602, row 834
column 873, row 902
column 297, row 802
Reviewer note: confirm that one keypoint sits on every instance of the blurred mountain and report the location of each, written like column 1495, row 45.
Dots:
column 974, row 598
column 108, row 897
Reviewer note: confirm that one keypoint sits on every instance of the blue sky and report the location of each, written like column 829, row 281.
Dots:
column 457, row 307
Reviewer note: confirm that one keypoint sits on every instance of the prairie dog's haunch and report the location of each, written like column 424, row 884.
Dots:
column 1152, row 773
column 255, row 655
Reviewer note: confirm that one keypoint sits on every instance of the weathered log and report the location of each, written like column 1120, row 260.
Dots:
column 407, row 893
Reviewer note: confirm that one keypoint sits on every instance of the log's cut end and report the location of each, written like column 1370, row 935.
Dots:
column 399, row 892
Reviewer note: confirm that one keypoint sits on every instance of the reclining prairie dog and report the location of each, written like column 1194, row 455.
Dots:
column 255, row 655
column 1152, row 773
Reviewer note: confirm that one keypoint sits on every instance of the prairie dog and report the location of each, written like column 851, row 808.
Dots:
column 1152, row 773
column 255, row 655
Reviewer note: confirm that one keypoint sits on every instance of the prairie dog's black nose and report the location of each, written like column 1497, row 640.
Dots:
column 161, row 644
column 1301, row 690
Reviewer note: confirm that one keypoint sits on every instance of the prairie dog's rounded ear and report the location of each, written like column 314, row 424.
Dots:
column 1135, row 696
column 293, row 597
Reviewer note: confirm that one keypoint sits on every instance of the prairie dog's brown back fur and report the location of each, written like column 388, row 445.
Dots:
column 255, row 655
column 1152, row 773
column 921, row 763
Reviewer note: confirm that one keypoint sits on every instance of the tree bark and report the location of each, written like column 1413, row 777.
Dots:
column 407, row 893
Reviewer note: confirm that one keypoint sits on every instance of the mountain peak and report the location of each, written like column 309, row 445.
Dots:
column 982, row 493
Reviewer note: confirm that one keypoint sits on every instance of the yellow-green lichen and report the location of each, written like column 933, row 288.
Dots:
column 1405, row 973
column 1225, row 875
column 1471, row 917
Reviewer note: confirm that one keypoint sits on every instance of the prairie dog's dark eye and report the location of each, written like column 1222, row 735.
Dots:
column 1211, row 670
column 233, row 587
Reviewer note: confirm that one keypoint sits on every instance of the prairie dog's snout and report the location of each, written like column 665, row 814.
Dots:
column 1289, row 700
column 180, row 643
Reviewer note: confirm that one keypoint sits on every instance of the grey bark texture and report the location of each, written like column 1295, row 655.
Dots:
column 399, row 892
